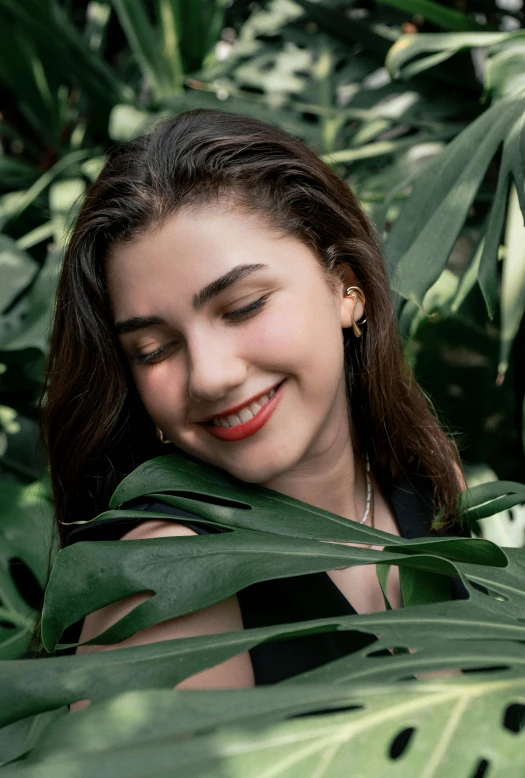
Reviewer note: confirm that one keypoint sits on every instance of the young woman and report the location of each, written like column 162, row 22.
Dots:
column 223, row 292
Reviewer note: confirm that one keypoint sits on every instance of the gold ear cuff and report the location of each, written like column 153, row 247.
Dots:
column 355, row 291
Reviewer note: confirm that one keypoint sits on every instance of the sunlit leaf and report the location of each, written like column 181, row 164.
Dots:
column 513, row 280
column 108, row 739
column 407, row 55
column 17, row 269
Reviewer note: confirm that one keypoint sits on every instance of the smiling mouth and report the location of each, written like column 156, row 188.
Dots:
column 246, row 413
column 246, row 421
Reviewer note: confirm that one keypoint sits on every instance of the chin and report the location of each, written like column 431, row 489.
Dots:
column 251, row 466
column 260, row 471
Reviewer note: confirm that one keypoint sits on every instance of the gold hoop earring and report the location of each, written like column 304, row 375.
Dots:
column 161, row 437
column 355, row 291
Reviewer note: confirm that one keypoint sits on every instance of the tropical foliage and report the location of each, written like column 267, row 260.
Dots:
column 257, row 732
column 419, row 106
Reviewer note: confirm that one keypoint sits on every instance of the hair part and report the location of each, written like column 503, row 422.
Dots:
column 94, row 424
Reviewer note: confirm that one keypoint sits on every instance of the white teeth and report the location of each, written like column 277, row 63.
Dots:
column 263, row 400
column 245, row 414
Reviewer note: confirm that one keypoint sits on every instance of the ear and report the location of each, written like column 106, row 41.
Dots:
column 352, row 306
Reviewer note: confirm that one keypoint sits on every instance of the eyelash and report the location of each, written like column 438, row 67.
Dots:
column 239, row 315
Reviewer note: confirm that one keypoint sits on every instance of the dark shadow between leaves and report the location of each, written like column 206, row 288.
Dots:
column 26, row 583
column 211, row 499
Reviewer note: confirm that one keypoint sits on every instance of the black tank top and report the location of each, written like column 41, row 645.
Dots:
column 288, row 600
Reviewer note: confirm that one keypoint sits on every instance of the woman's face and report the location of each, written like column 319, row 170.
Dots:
column 215, row 311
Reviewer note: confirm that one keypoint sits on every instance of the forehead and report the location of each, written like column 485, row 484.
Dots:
column 192, row 248
column 190, row 242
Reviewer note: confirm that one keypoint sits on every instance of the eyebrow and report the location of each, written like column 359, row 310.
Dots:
column 199, row 300
column 230, row 278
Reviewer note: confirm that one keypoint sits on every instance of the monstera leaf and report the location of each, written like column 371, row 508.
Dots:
column 26, row 535
column 249, row 732
column 372, row 708
column 271, row 536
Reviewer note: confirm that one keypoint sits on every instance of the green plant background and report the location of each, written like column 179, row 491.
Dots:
column 419, row 106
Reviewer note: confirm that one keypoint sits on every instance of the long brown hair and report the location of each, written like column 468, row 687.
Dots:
column 94, row 424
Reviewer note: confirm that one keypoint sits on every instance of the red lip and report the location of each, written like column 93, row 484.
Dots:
column 250, row 427
column 236, row 408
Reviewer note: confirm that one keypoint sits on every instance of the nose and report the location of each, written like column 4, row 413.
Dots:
column 214, row 368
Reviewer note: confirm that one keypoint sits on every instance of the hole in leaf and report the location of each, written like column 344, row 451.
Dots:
column 481, row 769
column 26, row 583
column 493, row 669
column 401, row 742
column 514, row 717
column 389, row 649
column 489, row 592
column 79, row 705
column 326, row 711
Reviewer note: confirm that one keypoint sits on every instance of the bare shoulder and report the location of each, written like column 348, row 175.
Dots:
column 224, row 616
column 158, row 529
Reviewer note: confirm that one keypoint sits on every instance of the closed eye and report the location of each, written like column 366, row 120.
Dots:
column 153, row 357
column 242, row 313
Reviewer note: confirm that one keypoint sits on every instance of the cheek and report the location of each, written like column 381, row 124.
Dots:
column 306, row 333
column 161, row 389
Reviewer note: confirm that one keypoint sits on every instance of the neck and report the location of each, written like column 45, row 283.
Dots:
column 329, row 478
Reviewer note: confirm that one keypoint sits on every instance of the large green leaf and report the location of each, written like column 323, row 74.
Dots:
column 495, row 638
column 18, row 738
column 45, row 53
column 64, row 195
column 17, row 269
column 465, row 723
column 144, row 42
column 513, row 280
column 486, row 499
column 504, row 73
column 421, row 239
column 203, row 570
column 17, row 203
column 271, row 536
column 26, row 549
column 27, row 326
column 198, row 25
column 407, row 57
